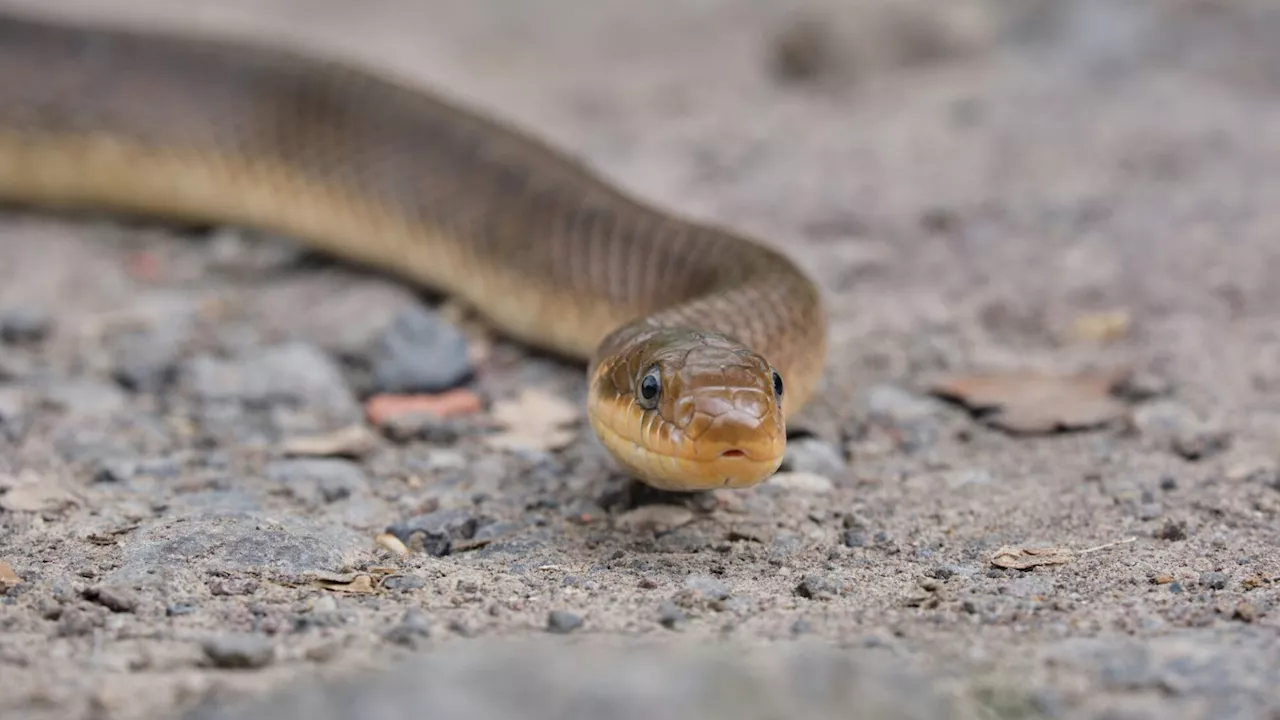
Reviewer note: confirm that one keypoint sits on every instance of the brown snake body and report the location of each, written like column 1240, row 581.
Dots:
column 695, row 337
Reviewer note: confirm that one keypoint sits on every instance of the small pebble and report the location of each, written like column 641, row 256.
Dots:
column 1245, row 612
column 115, row 470
column 1172, row 531
column 813, row 456
column 655, row 518
column 900, row 405
column 461, row 628
column 146, row 361
column 1150, row 510
column 420, row 352
column 1214, row 580
column 670, row 616
column 818, row 586
column 412, row 629
column 24, row 325
column 404, row 583
column 322, row 480
column 239, row 651
column 292, row 374
column 801, row 627
column 707, row 587
column 800, row 482
column 121, row 600
column 563, row 622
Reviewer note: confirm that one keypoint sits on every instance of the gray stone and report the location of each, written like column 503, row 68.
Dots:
column 821, row 586
column 319, row 480
column 563, row 621
column 900, row 405
column 1232, row 671
column 24, row 325
column 115, row 599
column 811, row 455
column 85, row 397
column 670, row 615
column 239, row 652
column 1214, row 580
column 146, row 361
column 412, row 629
column 292, row 374
column 13, row 409
column 435, row 532
column 235, row 542
column 420, row 352
column 707, row 587
column 602, row 680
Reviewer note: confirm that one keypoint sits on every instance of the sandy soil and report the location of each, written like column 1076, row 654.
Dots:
column 976, row 189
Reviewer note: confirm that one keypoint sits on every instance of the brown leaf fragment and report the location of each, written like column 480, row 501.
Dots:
column 391, row 543
column 1036, row 403
column 359, row 585
column 536, row 420
column 8, row 578
column 353, row 441
column 1024, row 558
column 1103, row 326
column 110, row 536
column 1020, row 558
column 34, row 493
column 655, row 518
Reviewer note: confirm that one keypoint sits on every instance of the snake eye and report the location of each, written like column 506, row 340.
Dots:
column 650, row 387
column 777, row 384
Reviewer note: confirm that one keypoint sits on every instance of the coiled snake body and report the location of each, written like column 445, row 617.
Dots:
column 695, row 338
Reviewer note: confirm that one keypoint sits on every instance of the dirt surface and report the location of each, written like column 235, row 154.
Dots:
column 1000, row 187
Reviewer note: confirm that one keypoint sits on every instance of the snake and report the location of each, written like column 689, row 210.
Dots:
column 698, row 341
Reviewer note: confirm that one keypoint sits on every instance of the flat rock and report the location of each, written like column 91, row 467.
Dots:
column 293, row 374
column 232, row 542
column 319, row 480
column 487, row 680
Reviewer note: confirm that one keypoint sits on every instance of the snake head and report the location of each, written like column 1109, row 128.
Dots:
column 688, row 410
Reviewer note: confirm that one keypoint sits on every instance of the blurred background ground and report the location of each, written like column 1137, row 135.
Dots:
column 980, row 185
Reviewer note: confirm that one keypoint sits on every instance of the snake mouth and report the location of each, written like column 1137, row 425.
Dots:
column 733, row 454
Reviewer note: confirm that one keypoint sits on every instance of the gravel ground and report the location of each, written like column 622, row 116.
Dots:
column 207, row 521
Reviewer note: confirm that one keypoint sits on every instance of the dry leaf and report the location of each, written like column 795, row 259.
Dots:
column 1024, row 558
column 1030, row 402
column 30, row 492
column 655, row 518
column 1019, row 558
column 533, row 421
column 390, row 542
column 8, row 578
column 353, row 441
column 1103, row 326
column 382, row 409
column 110, row 536
column 360, row 585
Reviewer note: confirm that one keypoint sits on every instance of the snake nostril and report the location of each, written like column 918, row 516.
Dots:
column 733, row 454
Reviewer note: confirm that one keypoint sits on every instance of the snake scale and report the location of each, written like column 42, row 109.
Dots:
column 695, row 338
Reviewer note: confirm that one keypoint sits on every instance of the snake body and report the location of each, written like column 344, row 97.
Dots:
column 695, row 338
